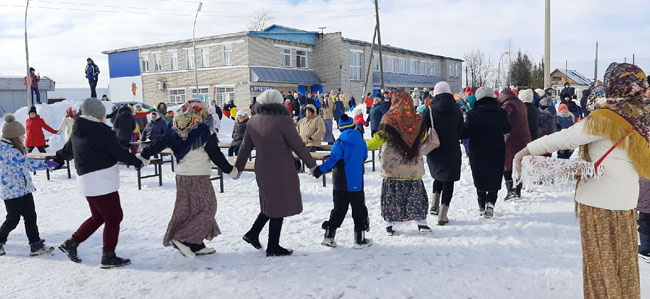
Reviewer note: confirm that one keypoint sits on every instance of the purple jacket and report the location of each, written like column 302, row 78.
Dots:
column 644, row 196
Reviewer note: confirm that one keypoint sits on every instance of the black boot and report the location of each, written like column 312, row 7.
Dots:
column 253, row 235
column 328, row 241
column 110, row 260
column 273, row 247
column 38, row 248
column 511, row 191
column 2, row 249
column 518, row 190
column 69, row 247
column 360, row 240
column 482, row 199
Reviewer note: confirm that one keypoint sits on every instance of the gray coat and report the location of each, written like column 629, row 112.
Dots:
column 644, row 196
column 273, row 135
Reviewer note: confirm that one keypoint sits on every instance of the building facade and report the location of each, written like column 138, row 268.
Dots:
column 13, row 93
column 239, row 66
column 577, row 80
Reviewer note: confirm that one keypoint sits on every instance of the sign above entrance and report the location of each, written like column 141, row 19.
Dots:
column 258, row 88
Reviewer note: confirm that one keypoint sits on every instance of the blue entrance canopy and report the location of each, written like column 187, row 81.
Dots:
column 268, row 74
column 406, row 80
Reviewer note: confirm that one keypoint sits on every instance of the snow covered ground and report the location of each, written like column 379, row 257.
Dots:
column 531, row 249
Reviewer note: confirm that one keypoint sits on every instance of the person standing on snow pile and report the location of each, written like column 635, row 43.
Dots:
column 35, row 137
column 444, row 162
column 17, row 186
column 532, row 114
column 272, row 133
column 155, row 129
column 565, row 119
column 33, row 79
column 238, row 132
column 347, row 159
column 517, row 139
column 403, row 196
column 485, row 128
column 67, row 123
column 97, row 152
column 328, row 118
column 377, row 112
column 644, row 219
column 92, row 74
column 124, row 126
column 606, row 205
column 311, row 129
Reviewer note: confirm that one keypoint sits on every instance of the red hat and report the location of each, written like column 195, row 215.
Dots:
column 563, row 108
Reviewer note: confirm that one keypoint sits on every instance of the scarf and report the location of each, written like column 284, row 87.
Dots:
column 188, row 117
column 402, row 126
column 624, row 111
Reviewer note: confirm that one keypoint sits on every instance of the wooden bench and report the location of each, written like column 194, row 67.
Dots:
column 167, row 152
column 226, row 145
column 157, row 166
column 47, row 157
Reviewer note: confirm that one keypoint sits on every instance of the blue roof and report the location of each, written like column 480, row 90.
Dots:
column 406, row 79
column 287, row 34
column 577, row 77
column 268, row 74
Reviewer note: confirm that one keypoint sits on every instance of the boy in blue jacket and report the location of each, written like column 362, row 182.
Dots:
column 346, row 160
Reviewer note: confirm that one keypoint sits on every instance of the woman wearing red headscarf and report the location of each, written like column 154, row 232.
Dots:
column 67, row 123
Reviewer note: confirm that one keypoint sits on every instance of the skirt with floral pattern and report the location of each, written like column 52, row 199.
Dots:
column 403, row 200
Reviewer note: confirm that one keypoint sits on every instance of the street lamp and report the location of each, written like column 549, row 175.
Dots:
column 499, row 68
column 29, row 78
column 196, row 73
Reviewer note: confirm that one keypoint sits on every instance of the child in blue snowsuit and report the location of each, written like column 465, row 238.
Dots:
column 347, row 161
column 565, row 119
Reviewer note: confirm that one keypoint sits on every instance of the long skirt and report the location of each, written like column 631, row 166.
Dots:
column 610, row 266
column 194, row 211
column 403, row 200
column 328, row 137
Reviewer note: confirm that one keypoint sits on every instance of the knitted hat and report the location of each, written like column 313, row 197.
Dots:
column 539, row 92
column 526, row 95
column 563, row 108
column 32, row 109
column 484, row 92
column 93, row 107
column 241, row 113
column 345, row 122
column 12, row 128
column 270, row 96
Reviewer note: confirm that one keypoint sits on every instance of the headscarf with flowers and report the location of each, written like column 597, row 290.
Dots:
column 624, row 116
column 402, row 125
column 188, row 117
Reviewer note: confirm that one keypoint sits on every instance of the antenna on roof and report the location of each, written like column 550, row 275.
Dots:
column 321, row 29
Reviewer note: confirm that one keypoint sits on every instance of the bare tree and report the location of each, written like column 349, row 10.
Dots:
column 260, row 20
column 479, row 68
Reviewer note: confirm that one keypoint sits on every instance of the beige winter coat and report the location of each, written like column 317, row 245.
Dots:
column 311, row 129
column 66, row 126
column 328, row 112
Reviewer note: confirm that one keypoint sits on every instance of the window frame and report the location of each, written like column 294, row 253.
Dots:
column 227, row 55
column 190, row 63
column 355, row 65
column 144, row 63
column 390, row 61
column 413, row 66
column 283, row 56
column 375, row 61
column 402, row 65
column 173, row 61
column 205, row 57
column 157, row 63
column 299, row 58
column 222, row 94
column 172, row 95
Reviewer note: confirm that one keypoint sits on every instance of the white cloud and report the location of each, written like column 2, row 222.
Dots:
column 60, row 39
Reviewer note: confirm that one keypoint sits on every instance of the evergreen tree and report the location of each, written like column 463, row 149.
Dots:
column 521, row 70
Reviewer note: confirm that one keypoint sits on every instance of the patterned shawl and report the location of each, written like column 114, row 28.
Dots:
column 402, row 125
column 188, row 117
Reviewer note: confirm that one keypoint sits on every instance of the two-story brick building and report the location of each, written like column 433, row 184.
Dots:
column 239, row 66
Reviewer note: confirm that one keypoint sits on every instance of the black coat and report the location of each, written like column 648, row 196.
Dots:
column 485, row 126
column 533, row 118
column 238, row 131
column 376, row 113
column 124, row 125
column 154, row 130
column 444, row 162
column 94, row 147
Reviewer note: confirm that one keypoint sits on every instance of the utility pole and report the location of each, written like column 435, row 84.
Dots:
column 596, row 64
column 466, row 76
column 547, row 46
column 372, row 49
column 633, row 60
column 566, row 68
column 322, row 30
column 29, row 77
column 381, row 60
column 196, row 67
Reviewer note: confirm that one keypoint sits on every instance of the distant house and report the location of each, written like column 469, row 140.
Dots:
column 577, row 80
column 13, row 94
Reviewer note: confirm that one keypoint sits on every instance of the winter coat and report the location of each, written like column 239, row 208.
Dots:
column 565, row 120
column 328, row 112
column 376, row 113
column 533, row 120
column 352, row 103
column 570, row 92
column 547, row 121
column 468, row 104
column 347, row 158
column 124, row 125
column 518, row 117
column 66, row 126
column 15, row 169
column 369, row 102
column 444, row 162
column 96, row 152
column 272, row 134
column 34, row 127
column 141, row 121
column 339, row 109
column 311, row 130
column 154, row 130
column 485, row 126
column 394, row 166
column 92, row 72
column 238, row 132
column 644, row 196
column 194, row 155
column 616, row 189
column 162, row 113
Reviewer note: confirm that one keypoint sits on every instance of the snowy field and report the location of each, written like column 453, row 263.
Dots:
column 531, row 249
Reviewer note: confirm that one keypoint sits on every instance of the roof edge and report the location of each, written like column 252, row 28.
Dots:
column 162, row 44
column 395, row 49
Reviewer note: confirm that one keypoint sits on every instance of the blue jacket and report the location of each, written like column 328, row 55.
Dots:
column 564, row 121
column 346, row 158
column 14, row 171
column 376, row 113
column 338, row 109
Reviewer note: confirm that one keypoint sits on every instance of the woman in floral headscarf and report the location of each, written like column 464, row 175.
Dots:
column 195, row 148
column 403, row 196
column 606, row 207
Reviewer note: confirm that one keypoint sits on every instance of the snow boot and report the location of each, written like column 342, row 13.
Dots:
column 205, row 251
column 255, row 241
column 360, row 240
column 489, row 210
column 185, row 250
column 38, row 248
column 110, row 260
column 423, row 226
column 274, row 248
column 518, row 190
column 482, row 199
column 435, row 204
column 511, row 191
column 328, row 241
column 390, row 231
column 69, row 247
column 2, row 249
column 442, row 217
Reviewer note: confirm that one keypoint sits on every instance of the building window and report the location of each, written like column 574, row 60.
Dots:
column 375, row 62
column 414, row 68
column 391, row 64
column 190, row 59
column 157, row 65
column 432, row 69
column 224, row 94
column 301, row 59
column 458, row 70
column 204, row 94
column 173, row 61
column 402, row 65
column 451, row 70
column 144, row 64
column 286, row 57
column 355, row 65
column 557, row 78
column 205, row 57
column 177, row 96
column 227, row 55
column 423, row 67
